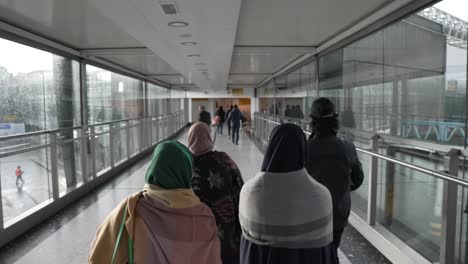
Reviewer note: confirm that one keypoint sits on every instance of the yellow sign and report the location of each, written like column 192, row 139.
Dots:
column 452, row 85
column 9, row 118
column 237, row 91
column 244, row 101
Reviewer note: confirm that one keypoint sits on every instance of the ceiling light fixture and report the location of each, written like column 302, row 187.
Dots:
column 178, row 24
column 200, row 63
column 188, row 43
column 185, row 35
column 193, row 55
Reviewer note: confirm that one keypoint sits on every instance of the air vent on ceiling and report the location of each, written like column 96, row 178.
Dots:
column 169, row 8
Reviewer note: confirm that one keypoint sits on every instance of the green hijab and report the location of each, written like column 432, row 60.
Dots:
column 171, row 166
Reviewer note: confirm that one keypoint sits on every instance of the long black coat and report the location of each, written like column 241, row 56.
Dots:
column 335, row 164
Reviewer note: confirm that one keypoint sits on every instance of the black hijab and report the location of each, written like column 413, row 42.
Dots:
column 286, row 150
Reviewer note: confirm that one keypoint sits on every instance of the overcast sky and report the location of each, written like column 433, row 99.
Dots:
column 19, row 58
column 458, row 8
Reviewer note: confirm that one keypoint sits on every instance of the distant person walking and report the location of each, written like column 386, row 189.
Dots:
column 236, row 119
column 19, row 177
column 287, row 112
column 222, row 115
column 204, row 116
column 228, row 120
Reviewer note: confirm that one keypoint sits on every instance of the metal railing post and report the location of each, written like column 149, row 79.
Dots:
column 129, row 138
column 157, row 128
column 84, row 155
column 373, row 175
column 449, row 211
column 92, row 132
column 111, row 145
column 172, row 121
column 54, row 166
column 2, row 226
column 150, row 139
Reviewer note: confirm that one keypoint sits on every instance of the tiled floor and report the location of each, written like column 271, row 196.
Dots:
column 66, row 237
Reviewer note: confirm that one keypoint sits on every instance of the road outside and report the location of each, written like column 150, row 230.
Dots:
column 37, row 185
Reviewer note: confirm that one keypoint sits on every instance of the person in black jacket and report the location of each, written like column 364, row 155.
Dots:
column 236, row 120
column 333, row 162
column 220, row 112
column 204, row 116
column 228, row 120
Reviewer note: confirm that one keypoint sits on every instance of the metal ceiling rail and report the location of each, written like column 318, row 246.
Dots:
column 455, row 28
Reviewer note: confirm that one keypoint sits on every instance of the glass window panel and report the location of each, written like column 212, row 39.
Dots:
column 309, row 83
column 266, row 100
column 39, row 91
column 290, row 96
column 330, row 78
column 42, row 94
column 410, row 204
column 111, row 96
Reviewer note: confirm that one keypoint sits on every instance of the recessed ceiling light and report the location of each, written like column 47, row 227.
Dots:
column 178, row 24
column 193, row 55
column 188, row 43
column 185, row 35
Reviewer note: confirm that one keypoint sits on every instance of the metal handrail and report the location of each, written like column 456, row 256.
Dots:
column 437, row 174
column 37, row 147
column 88, row 133
column 115, row 121
column 37, row 133
column 132, row 119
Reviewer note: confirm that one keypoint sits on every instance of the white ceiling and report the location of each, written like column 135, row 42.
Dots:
column 240, row 43
column 213, row 25
column 75, row 23
column 298, row 22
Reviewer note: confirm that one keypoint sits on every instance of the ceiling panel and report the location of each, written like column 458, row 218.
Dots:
column 174, row 79
column 75, row 23
column 148, row 64
column 264, row 60
column 248, row 79
column 298, row 22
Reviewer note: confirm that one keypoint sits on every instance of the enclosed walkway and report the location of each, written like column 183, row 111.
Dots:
column 65, row 238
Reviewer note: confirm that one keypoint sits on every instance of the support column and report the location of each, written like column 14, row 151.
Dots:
column 449, row 211
column 373, row 175
column 389, row 187
column 394, row 117
column 64, row 101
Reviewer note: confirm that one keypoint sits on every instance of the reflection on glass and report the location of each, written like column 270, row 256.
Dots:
column 266, row 101
column 290, row 96
column 157, row 100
